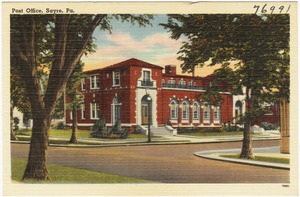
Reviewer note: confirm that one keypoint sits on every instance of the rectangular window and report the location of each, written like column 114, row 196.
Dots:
column 95, row 82
column 181, row 82
column 94, row 110
column 171, row 81
column 116, row 78
column 83, row 86
column 83, row 111
column 146, row 75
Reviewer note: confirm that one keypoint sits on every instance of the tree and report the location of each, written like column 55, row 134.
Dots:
column 56, row 42
column 18, row 99
column 76, row 98
column 258, row 46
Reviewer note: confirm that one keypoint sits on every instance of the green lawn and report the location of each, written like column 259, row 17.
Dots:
column 61, row 174
column 262, row 158
column 64, row 133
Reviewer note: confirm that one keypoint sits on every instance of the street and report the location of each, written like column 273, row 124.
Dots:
column 163, row 163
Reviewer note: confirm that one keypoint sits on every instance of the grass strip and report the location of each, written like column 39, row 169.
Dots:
column 262, row 158
column 62, row 174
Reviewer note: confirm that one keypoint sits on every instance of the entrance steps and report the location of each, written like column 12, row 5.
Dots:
column 156, row 131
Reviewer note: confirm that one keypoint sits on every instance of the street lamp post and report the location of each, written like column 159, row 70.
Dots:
column 149, row 117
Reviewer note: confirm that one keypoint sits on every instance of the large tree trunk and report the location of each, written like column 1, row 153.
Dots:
column 247, row 143
column 12, row 134
column 37, row 160
column 74, row 127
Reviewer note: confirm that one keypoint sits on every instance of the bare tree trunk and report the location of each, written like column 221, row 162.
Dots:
column 12, row 134
column 37, row 160
column 74, row 127
column 247, row 143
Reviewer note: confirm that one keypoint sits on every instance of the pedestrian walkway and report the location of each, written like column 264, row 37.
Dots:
column 273, row 152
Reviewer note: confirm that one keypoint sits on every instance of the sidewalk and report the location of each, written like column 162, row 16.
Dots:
column 186, row 139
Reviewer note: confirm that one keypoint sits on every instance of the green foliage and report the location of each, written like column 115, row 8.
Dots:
column 269, row 126
column 253, row 52
column 99, row 128
column 60, row 125
column 16, row 123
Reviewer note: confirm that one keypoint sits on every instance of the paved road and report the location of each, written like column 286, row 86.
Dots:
column 163, row 163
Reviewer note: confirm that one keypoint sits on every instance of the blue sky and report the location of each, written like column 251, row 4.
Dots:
column 151, row 44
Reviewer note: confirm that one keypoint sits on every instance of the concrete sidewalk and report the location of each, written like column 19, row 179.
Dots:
column 273, row 152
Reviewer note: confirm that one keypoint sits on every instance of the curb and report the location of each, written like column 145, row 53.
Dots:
column 216, row 156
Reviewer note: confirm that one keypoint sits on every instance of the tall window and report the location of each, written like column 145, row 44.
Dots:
column 206, row 113
column 94, row 82
column 173, row 110
column 185, row 110
column 171, row 81
column 83, row 85
column 181, row 82
column 94, row 110
column 146, row 75
column 116, row 78
column 217, row 114
column 116, row 110
column 83, row 111
column 196, row 111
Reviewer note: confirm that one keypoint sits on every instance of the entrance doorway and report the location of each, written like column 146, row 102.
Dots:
column 145, row 110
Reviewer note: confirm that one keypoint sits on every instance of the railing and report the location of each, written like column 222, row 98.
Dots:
column 147, row 83
column 178, row 86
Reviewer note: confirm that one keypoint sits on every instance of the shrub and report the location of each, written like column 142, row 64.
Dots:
column 269, row 126
column 60, row 125
column 99, row 128
column 16, row 123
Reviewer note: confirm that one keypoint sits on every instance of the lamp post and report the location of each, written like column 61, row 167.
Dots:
column 149, row 117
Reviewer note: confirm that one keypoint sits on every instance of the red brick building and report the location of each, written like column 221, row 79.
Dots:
column 120, row 91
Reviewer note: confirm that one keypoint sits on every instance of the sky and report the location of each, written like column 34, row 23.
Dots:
column 151, row 44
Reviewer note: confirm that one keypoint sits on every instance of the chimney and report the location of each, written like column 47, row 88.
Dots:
column 170, row 69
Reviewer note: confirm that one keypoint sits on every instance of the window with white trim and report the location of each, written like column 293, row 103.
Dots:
column 95, row 82
column 191, row 83
column 83, row 111
column 185, row 110
column 171, row 81
column 116, row 110
column 116, row 78
column 181, row 82
column 83, row 85
column 206, row 113
column 94, row 110
column 196, row 111
column 146, row 75
column 217, row 114
column 173, row 109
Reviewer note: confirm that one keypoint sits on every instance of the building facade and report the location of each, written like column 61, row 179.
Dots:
column 132, row 89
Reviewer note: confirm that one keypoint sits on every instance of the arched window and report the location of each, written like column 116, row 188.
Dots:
column 173, row 109
column 116, row 110
column 196, row 111
column 181, row 82
column 185, row 110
